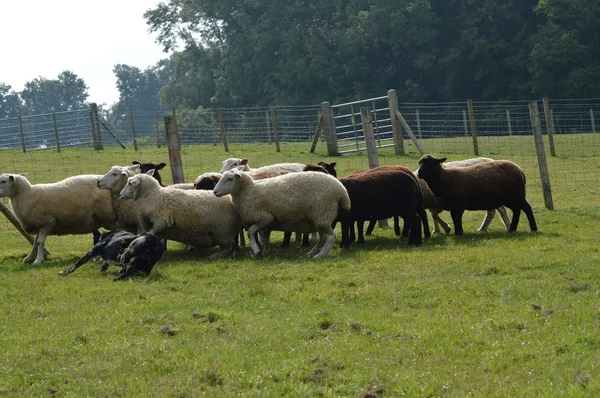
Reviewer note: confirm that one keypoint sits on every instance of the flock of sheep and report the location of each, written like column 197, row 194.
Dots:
column 290, row 197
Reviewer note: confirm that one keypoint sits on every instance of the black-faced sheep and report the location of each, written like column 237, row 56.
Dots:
column 109, row 245
column 74, row 205
column 193, row 217
column 232, row 163
column 146, row 167
column 384, row 192
column 287, row 203
column 141, row 255
column 483, row 186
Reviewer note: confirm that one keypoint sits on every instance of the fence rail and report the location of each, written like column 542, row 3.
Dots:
column 297, row 124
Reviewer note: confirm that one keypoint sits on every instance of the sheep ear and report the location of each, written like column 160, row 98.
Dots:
column 244, row 161
column 332, row 164
column 136, row 167
column 239, row 168
column 442, row 160
column 23, row 174
column 160, row 166
column 135, row 162
column 150, row 172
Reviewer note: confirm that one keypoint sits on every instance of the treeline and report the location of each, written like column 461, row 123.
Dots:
column 296, row 52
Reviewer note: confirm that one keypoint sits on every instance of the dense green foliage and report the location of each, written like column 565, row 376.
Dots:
column 295, row 52
column 491, row 314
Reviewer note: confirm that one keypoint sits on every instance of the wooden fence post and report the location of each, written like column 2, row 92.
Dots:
column 549, row 126
column 592, row 120
column 56, row 132
column 367, row 125
column 135, row 147
column 536, row 126
column 315, row 140
column 465, row 123
column 419, row 132
column 274, row 124
column 410, row 132
column 330, row 136
column 508, row 121
column 174, row 144
column 96, row 127
column 22, row 134
column 222, row 129
column 396, row 125
column 10, row 216
column 157, row 129
column 473, row 127
column 268, row 123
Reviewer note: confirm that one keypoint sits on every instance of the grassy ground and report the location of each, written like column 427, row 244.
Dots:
column 481, row 315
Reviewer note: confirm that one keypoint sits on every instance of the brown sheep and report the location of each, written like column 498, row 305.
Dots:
column 483, row 186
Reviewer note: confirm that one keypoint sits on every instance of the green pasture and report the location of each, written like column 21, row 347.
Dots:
column 485, row 314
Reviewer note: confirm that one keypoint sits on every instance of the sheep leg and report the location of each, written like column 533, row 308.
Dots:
column 397, row 226
column 515, row 219
column 424, row 221
column 437, row 221
column 456, row 215
column 40, row 242
column 347, row 227
column 225, row 251
column 413, row 220
column 265, row 238
column 529, row 213
column 326, row 241
column 317, row 248
column 30, row 257
column 370, row 227
column 360, row 224
column 287, row 236
column 254, row 245
column 504, row 216
column 489, row 216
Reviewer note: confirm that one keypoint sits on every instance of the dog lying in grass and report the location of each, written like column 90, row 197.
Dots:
column 132, row 252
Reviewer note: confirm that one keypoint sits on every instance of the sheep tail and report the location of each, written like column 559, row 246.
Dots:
column 344, row 205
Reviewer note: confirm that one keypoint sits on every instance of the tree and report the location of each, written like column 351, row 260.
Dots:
column 66, row 93
column 564, row 59
column 138, row 90
column 10, row 102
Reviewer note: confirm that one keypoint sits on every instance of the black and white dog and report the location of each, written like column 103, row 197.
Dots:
column 123, row 248
column 141, row 255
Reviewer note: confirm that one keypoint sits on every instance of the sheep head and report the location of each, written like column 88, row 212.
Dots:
column 429, row 167
column 116, row 177
column 132, row 188
column 227, row 183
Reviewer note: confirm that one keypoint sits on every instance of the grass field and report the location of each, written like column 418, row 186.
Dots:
column 491, row 314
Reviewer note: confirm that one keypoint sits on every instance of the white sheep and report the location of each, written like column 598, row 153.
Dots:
column 74, row 205
column 304, row 202
column 114, row 181
column 196, row 218
column 232, row 163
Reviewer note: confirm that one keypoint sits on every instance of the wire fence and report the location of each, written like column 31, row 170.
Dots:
column 503, row 130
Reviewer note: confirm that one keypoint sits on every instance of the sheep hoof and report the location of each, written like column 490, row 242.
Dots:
column 64, row 273
column 258, row 255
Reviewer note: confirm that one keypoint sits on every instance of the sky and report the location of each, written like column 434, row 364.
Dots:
column 46, row 37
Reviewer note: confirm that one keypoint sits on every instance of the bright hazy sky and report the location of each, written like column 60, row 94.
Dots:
column 45, row 37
